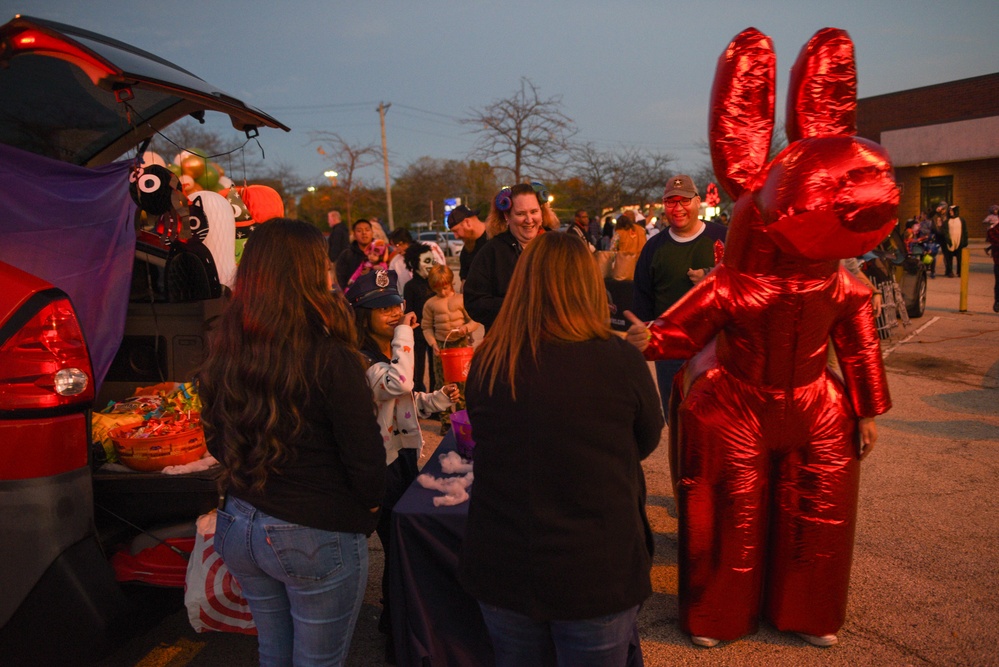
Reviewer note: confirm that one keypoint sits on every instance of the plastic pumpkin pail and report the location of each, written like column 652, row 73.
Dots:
column 154, row 453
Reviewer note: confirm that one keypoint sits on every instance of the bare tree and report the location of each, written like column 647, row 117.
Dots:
column 523, row 132
column 643, row 174
column 425, row 183
column 346, row 159
column 705, row 173
column 604, row 179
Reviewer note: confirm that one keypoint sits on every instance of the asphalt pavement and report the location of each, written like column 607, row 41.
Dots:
column 923, row 587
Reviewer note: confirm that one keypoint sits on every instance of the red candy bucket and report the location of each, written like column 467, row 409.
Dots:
column 456, row 362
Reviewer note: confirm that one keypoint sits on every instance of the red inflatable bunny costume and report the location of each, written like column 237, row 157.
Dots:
column 766, row 461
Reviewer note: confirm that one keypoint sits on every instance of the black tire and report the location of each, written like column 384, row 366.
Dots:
column 918, row 306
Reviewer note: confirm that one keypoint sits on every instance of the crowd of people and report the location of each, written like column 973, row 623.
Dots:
column 327, row 357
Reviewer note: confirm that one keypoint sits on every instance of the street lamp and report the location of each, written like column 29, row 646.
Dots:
column 330, row 174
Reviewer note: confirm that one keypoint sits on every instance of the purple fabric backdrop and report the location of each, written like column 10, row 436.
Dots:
column 72, row 226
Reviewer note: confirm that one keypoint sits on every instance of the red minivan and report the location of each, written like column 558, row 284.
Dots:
column 72, row 103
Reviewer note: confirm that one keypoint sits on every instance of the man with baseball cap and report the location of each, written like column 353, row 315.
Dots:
column 674, row 261
column 465, row 224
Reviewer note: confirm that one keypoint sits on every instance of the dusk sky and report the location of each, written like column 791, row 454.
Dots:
column 630, row 73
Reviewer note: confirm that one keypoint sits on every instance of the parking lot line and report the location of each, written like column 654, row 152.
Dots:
column 908, row 338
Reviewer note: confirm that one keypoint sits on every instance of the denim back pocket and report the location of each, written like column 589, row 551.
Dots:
column 305, row 553
column 223, row 521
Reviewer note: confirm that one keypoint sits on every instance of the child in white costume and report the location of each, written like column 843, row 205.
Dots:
column 385, row 333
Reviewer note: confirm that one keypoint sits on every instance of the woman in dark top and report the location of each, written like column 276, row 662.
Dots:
column 518, row 215
column 558, row 548
column 288, row 412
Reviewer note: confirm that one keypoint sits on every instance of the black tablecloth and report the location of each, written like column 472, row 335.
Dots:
column 435, row 621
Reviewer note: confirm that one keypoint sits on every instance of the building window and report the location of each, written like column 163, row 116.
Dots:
column 935, row 189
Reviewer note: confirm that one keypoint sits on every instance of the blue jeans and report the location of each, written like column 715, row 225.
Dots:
column 519, row 641
column 665, row 371
column 304, row 586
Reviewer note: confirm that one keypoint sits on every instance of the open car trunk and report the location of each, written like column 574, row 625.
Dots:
column 73, row 104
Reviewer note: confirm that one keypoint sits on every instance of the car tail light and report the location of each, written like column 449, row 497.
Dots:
column 36, row 41
column 45, row 363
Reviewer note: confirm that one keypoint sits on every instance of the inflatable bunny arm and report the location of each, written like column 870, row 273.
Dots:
column 859, row 361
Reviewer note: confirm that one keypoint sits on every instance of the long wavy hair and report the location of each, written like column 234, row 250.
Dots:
column 556, row 294
column 496, row 222
column 262, row 362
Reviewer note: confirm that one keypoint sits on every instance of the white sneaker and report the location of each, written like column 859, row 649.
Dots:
column 822, row 641
column 706, row 642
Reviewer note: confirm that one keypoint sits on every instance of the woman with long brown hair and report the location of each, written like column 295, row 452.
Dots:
column 288, row 412
column 558, row 549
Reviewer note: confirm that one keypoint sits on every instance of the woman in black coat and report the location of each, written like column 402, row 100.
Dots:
column 558, row 548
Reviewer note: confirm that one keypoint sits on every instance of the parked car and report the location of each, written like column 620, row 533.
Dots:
column 71, row 103
column 448, row 242
column 901, row 277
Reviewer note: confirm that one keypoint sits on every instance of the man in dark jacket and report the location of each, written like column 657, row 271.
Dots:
column 339, row 237
column 353, row 255
column 465, row 224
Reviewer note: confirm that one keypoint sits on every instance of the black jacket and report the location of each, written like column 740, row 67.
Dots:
column 348, row 261
column 337, row 471
column 489, row 277
column 338, row 241
column 468, row 254
column 557, row 528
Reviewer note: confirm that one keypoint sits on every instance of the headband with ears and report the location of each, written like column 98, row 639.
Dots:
column 504, row 200
column 541, row 191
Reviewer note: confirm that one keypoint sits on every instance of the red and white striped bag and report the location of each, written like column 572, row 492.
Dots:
column 212, row 595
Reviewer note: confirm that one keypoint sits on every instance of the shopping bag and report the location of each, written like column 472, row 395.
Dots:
column 605, row 259
column 624, row 266
column 212, row 595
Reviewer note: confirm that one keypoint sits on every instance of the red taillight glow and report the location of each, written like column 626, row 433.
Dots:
column 46, row 364
column 37, row 41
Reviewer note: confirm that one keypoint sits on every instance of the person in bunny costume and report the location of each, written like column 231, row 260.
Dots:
column 766, row 452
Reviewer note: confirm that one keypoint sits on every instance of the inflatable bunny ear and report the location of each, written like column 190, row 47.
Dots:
column 822, row 93
column 741, row 119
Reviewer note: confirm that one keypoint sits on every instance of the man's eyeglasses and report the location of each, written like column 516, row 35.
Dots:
column 676, row 201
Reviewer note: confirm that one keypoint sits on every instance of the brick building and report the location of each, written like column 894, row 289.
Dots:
column 944, row 143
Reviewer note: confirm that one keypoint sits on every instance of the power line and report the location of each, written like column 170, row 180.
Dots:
column 319, row 107
column 431, row 120
column 432, row 113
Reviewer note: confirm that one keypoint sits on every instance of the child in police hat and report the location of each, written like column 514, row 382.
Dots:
column 386, row 336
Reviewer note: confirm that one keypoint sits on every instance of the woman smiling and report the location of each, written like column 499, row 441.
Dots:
column 518, row 214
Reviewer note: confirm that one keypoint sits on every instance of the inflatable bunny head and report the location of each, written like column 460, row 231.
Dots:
column 829, row 195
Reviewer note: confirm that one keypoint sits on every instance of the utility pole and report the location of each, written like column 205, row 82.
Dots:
column 382, row 108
